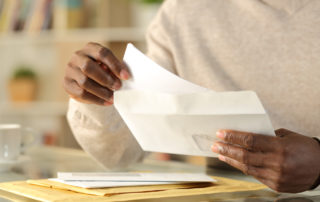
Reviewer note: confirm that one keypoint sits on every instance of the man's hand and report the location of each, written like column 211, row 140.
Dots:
column 289, row 162
column 93, row 73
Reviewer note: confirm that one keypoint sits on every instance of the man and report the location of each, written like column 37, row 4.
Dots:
column 269, row 46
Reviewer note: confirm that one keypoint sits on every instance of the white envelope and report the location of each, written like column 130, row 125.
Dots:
column 134, row 177
column 103, row 184
column 168, row 114
column 119, row 179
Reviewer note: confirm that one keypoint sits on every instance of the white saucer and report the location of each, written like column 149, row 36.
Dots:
column 7, row 165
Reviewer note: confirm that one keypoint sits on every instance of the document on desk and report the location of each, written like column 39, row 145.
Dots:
column 104, row 184
column 135, row 177
column 168, row 114
column 120, row 179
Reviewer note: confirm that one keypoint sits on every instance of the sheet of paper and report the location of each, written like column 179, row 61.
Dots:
column 168, row 114
column 45, row 190
column 135, row 177
column 147, row 75
column 105, row 184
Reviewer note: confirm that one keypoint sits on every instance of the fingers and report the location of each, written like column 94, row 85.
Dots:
column 251, row 141
column 257, row 172
column 92, row 69
column 93, row 73
column 104, row 55
column 240, row 154
column 248, row 170
column 89, row 85
column 78, row 93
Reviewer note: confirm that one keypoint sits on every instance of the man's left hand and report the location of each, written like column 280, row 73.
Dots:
column 289, row 162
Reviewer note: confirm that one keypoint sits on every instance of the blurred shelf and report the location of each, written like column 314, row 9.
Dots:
column 76, row 35
column 38, row 108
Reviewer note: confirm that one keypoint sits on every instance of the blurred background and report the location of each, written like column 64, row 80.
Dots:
column 37, row 38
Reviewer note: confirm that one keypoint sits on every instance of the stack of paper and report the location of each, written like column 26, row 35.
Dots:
column 168, row 114
column 117, row 179
column 47, row 190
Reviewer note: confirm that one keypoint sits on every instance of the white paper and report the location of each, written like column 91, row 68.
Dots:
column 168, row 114
column 147, row 75
column 105, row 184
column 135, row 177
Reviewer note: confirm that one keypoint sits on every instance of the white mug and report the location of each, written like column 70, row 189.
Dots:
column 12, row 141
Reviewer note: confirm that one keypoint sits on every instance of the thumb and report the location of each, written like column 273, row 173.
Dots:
column 282, row 132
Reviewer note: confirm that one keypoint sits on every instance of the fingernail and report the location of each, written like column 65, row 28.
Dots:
column 215, row 148
column 111, row 99
column 124, row 74
column 107, row 103
column 220, row 134
column 116, row 85
column 222, row 158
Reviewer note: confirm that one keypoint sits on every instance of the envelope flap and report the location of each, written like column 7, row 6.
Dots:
column 204, row 103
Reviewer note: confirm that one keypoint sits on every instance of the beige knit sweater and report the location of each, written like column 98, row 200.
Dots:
column 269, row 46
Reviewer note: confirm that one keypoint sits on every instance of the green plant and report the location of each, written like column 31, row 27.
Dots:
column 151, row 1
column 24, row 71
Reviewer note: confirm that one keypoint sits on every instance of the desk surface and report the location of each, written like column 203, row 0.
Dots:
column 45, row 162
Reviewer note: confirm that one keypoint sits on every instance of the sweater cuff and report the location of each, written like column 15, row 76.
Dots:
column 317, row 183
column 89, row 115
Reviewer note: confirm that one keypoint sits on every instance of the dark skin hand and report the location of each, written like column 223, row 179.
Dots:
column 93, row 74
column 289, row 162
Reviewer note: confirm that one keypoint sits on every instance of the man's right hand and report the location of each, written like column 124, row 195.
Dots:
column 93, row 73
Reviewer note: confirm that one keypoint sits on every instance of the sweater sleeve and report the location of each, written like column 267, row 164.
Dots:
column 100, row 130
column 160, row 34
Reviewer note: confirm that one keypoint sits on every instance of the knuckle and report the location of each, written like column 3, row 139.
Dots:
column 84, row 82
column 69, row 64
column 78, row 52
column 74, row 57
column 279, row 179
column 228, row 137
column 285, row 167
column 222, row 149
column 110, row 81
column 245, row 170
column 115, row 66
column 82, row 94
column 244, row 157
column 87, row 66
column 252, row 171
column 279, row 168
column 109, row 94
column 281, row 155
column 91, row 43
column 103, row 52
column 249, row 141
column 277, row 146
column 66, row 80
column 279, row 165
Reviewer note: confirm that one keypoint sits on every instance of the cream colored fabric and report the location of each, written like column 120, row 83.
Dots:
column 269, row 46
